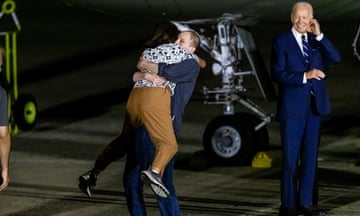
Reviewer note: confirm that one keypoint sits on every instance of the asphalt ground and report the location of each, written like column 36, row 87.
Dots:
column 46, row 163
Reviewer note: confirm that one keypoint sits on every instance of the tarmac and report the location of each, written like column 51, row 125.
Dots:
column 46, row 163
column 79, row 81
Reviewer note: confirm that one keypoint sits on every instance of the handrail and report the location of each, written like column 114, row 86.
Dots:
column 355, row 42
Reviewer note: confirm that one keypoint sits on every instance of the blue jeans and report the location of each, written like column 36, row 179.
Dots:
column 140, row 157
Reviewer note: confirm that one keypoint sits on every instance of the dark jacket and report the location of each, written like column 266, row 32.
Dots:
column 184, row 74
column 288, row 68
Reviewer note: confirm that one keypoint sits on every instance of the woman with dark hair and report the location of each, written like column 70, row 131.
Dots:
column 160, row 49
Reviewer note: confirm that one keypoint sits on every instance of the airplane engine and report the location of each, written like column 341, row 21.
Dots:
column 233, row 138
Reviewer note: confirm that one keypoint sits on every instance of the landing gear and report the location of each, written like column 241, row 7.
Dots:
column 232, row 140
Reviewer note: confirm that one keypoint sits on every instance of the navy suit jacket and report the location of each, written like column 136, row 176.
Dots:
column 288, row 67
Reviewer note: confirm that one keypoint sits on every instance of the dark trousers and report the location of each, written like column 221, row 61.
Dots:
column 117, row 148
column 140, row 157
column 300, row 139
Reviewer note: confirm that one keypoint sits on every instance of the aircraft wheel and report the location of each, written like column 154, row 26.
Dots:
column 228, row 140
column 25, row 112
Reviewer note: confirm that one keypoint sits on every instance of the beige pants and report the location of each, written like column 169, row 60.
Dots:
column 151, row 106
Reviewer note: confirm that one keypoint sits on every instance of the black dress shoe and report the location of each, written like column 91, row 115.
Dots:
column 284, row 211
column 311, row 211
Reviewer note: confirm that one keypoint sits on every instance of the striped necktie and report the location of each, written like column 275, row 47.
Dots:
column 306, row 48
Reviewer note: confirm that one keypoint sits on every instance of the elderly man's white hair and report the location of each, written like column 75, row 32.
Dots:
column 302, row 4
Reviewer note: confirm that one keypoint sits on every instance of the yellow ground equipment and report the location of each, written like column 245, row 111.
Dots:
column 22, row 110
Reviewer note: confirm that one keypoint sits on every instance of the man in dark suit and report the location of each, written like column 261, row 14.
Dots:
column 298, row 68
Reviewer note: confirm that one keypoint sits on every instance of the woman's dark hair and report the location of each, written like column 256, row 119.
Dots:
column 164, row 32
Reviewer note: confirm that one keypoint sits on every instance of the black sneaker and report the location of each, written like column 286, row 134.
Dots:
column 154, row 181
column 87, row 182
